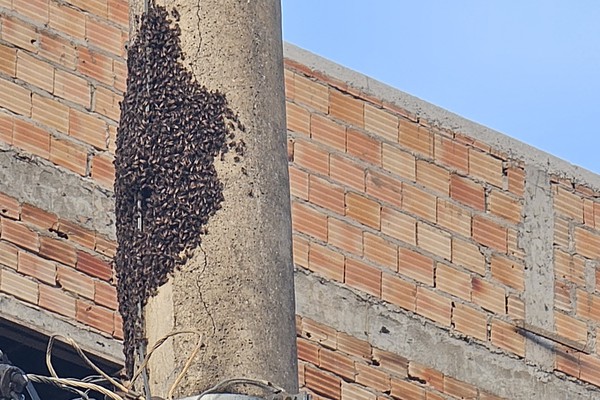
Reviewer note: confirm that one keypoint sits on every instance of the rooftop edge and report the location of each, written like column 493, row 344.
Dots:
column 441, row 118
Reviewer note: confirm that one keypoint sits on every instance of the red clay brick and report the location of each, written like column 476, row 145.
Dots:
column 36, row 216
column 15, row 98
column 508, row 272
column 300, row 251
column 562, row 299
column 562, row 236
column 467, row 192
column 298, row 118
column 319, row 333
column 71, row 87
column 105, row 295
column 95, row 316
column 105, row 246
column 459, row 389
column 8, row 255
column 58, row 250
column 468, row 255
column 311, row 93
column 372, row 377
column 36, row 10
column 298, row 183
column 516, row 180
column 31, row 138
column 470, row 322
column 67, row 20
column 399, row 292
column 75, row 282
column 326, row 195
column 505, row 206
column 590, row 365
column 345, row 236
column 398, row 225
column 570, row 327
column 337, row 363
column 391, row 362
column 98, row 7
column 433, row 177
column 353, row 346
column 309, row 221
column 567, row 203
column 77, row 233
column 416, row 138
column 567, row 360
column 69, row 155
column 6, row 127
column 19, row 234
column 326, row 262
column 415, row 266
column 19, row 286
column 434, row 240
column 356, row 392
column 363, row 277
column 366, row 148
column 453, row 281
column 95, row 65
column 346, row 108
column 8, row 60
column 505, row 336
column 433, row 306
column 36, row 267
column 103, row 170
column 489, row 233
column 451, row 154
column 323, row 383
column 588, row 305
column 488, row 296
column 430, row 376
column 289, row 78
column 59, row 50
column 88, row 128
column 384, row 188
column 118, row 321
column 404, row 390
column 516, row 308
column 363, row 210
column 399, row 162
column 380, row 251
column 103, row 35
column 571, row 268
column 50, row 112
column 93, row 266
column 35, row 71
column 348, row 173
column 328, row 132
column 308, row 351
column 419, row 202
column 454, row 217
column 311, row 157
column 486, row 167
column 9, row 207
column 106, row 103
column 588, row 213
column 120, row 67
column 118, row 12
column 381, row 122
column 57, row 301
column 587, row 243
column 20, row 34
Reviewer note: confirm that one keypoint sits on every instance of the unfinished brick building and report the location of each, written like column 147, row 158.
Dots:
column 436, row 259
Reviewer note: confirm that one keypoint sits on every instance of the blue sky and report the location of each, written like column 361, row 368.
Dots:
column 529, row 69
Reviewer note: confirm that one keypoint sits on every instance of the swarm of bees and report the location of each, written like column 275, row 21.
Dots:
column 166, row 187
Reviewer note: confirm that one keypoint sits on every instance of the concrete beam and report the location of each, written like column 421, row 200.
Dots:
column 444, row 119
column 47, row 324
column 417, row 339
column 39, row 183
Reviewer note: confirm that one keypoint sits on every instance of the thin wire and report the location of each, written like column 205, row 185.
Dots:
column 265, row 385
column 84, row 357
column 73, row 383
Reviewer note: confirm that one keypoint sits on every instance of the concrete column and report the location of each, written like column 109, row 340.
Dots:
column 237, row 287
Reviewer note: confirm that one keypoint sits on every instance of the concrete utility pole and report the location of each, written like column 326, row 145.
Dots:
column 237, row 288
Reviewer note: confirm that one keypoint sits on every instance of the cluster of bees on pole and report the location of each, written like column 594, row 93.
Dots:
column 170, row 132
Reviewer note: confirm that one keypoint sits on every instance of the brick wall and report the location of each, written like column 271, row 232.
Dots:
column 62, row 72
column 428, row 223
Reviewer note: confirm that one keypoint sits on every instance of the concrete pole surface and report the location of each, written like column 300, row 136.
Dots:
column 237, row 288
